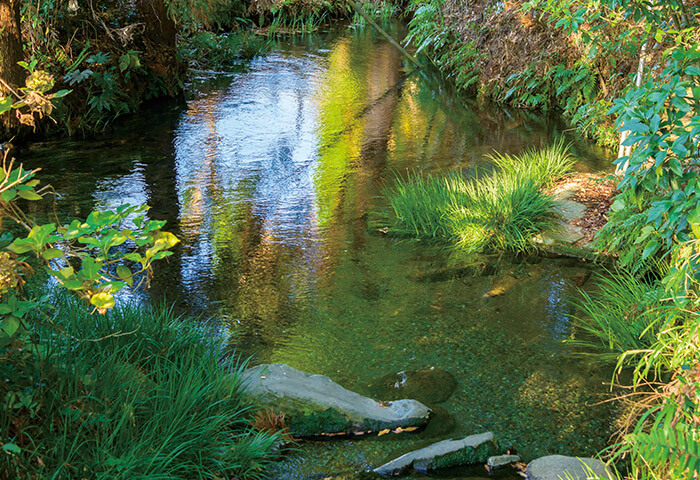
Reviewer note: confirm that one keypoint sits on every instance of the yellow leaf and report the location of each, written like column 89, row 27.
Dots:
column 103, row 301
column 383, row 432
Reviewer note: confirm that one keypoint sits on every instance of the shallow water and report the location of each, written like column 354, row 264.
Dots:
column 272, row 177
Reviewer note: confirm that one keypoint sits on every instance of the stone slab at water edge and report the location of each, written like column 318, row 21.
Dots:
column 314, row 404
column 557, row 467
column 448, row 453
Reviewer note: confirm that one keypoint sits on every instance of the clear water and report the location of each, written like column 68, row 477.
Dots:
column 271, row 177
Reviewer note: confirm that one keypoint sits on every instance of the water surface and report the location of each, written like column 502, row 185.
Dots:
column 272, row 177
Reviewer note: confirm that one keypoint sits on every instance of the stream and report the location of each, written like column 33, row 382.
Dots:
column 273, row 177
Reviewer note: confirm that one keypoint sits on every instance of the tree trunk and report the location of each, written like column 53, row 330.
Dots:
column 10, row 54
column 159, row 37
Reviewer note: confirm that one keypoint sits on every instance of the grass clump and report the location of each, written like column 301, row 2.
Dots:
column 543, row 166
column 500, row 212
column 423, row 205
column 131, row 394
column 622, row 314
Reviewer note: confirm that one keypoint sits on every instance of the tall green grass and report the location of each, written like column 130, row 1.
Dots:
column 543, row 166
column 622, row 314
column 132, row 394
column 637, row 324
column 422, row 205
column 500, row 212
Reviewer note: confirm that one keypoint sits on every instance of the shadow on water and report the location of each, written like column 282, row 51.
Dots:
column 269, row 175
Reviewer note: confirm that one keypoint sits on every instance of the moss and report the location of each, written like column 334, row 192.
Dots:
column 310, row 422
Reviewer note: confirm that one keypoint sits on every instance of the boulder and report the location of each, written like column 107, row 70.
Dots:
column 430, row 385
column 557, row 467
column 314, row 404
column 448, row 453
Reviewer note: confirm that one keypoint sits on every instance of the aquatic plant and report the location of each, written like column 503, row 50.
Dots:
column 543, row 165
column 422, row 205
column 208, row 50
column 381, row 12
column 500, row 212
column 634, row 323
column 136, row 393
column 503, row 212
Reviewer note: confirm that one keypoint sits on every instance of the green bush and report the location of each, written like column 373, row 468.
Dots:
column 135, row 393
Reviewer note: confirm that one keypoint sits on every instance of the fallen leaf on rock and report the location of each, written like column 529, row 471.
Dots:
column 383, row 432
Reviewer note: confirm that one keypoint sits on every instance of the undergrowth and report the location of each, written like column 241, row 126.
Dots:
column 135, row 393
column 208, row 49
column 500, row 212
column 634, row 324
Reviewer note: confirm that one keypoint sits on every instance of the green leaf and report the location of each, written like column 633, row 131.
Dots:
column 90, row 268
column 166, row 238
column 73, row 284
column 134, row 257
column 125, row 274
column 8, row 195
column 10, row 324
column 694, row 216
column 618, row 205
column 61, row 93
column 52, row 253
column 11, row 448
column 29, row 195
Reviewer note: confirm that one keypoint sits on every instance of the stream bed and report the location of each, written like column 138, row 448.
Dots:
column 273, row 178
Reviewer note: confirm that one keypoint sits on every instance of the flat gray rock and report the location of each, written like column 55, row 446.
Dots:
column 448, row 453
column 569, row 210
column 557, row 467
column 314, row 404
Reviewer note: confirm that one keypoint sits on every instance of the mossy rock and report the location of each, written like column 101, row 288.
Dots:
column 314, row 405
column 445, row 454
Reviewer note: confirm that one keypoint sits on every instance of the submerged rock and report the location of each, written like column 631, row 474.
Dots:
column 452, row 273
column 441, row 423
column 498, row 461
column 501, row 286
column 555, row 467
column 448, row 453
column 314, row 404
column 430, row 385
